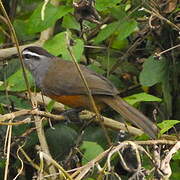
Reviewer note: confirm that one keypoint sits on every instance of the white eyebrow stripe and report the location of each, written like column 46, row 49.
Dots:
column 31, row 53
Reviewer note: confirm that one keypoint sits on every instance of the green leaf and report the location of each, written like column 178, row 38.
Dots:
column 104, row 4
column 141, row 97
column 175, row 170
column 58, row 46
column 122, row 28
column 52, row 14
column 106, row 32
column 32, row 141
column 126, row 28
column 97, row 69
column 50, row 105
column 9, row 70
column 118, row 12
column 61, row 139
column 92, row 150
column 16, row 82
column 116, row 81
column 70, row 22
column 154, row 71
column 119, row 44
column 17, row 102
column 167, row 124
column 78, row 49
column 21, row 28
column 177, row 156
column 97, row 135
column 19, row 130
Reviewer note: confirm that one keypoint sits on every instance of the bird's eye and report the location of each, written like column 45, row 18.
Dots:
column 29, row 56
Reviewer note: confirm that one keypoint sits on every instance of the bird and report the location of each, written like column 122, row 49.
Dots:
column 60, row 80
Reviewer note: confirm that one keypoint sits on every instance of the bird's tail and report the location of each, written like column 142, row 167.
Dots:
column 133, row 115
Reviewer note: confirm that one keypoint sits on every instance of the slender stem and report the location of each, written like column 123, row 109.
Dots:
column 88, row 92
column 11, row 28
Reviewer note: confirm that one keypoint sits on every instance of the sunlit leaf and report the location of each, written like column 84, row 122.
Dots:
column 52, row 14
column 141, row 97
column 70, row 22
column 123, row 29
column 167, row 124
column 21, row 28
column 107, row 31
column 58, row 46
column 177, row 156
column 104, row 4
column 16, row 82
column 126, row 28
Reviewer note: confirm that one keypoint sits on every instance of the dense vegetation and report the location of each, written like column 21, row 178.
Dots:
column 135, row 44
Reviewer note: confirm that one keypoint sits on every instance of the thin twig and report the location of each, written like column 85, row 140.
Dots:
column 9, row 134
column 155, row 13
column 84, row 115
column 165, row 51
column 91, row 99
column 165, row 163
column 22, row 163
column 43, row 37
column 30, row 160
column 11, row 28
column 45, row 156
column 82, row 171
column 156, row 142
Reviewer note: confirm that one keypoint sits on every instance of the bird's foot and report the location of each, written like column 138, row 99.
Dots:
column 72, row 115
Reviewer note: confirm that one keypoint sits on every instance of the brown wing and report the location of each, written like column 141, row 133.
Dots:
column 67, row 81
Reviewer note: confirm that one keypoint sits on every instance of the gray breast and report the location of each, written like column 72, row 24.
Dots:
column 39, row 73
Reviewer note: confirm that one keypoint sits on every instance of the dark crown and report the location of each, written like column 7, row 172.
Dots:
column 38, row 50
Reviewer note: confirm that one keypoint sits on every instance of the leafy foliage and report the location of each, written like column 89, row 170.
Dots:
column 136, row 98
column 154, row 71
column 61, row 49
column 52, row 14
column 16, row 83
column 90, row 147
column 122, row 29
column 167, row 124
column 135, row 49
